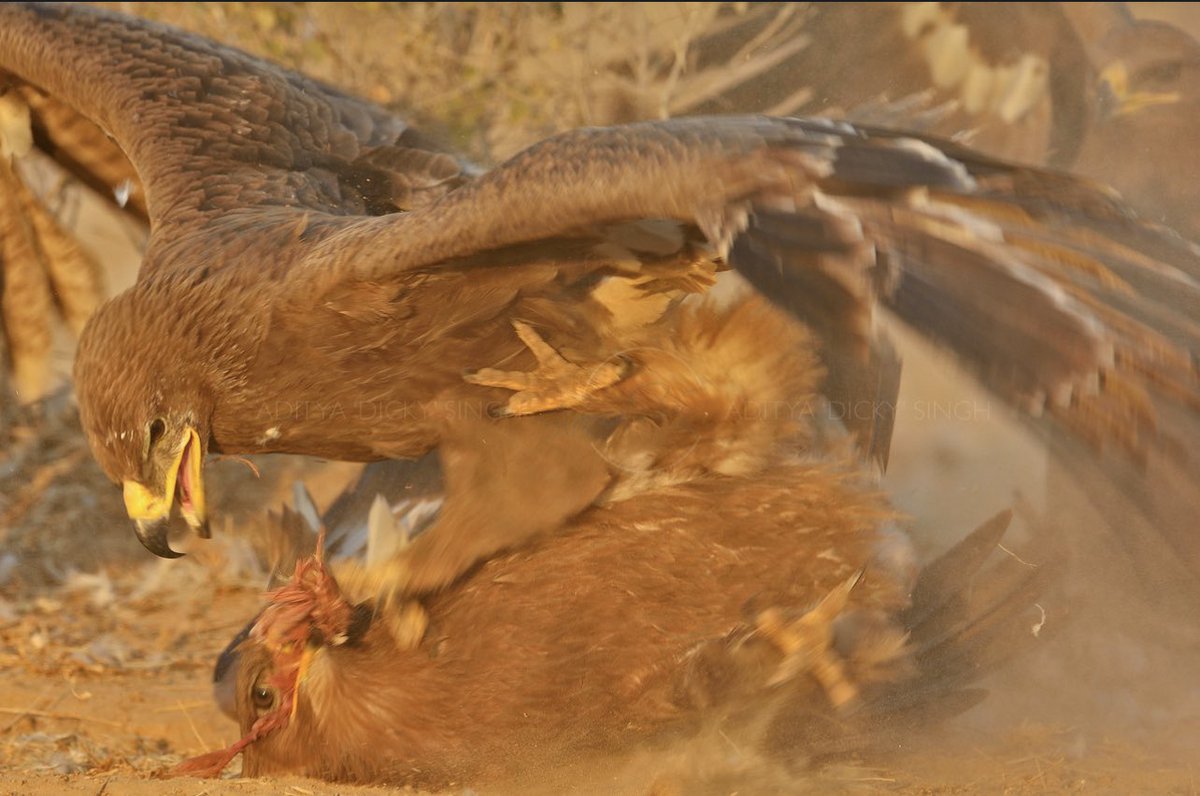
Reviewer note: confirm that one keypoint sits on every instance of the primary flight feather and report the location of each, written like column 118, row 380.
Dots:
column 320, row 279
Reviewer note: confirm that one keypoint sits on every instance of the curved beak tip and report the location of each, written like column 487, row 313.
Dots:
column 153, row 536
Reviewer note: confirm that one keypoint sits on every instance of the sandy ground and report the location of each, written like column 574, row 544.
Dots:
column 107, row 655
column 107, row 685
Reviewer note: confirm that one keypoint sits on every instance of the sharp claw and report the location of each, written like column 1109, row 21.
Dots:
column 806, row 643
column 542, row 351
column 838, row 598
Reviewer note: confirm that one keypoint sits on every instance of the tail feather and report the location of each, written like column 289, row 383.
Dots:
column 965, row 620
column 948, row 576
column 985, row 640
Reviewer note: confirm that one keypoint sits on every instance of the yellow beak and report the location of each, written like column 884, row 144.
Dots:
column 1116, row 76
column 150, row 509
column 142, row 505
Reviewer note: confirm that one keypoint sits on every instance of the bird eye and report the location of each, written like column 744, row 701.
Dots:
column 156, row 429
column 1161, row 73
column 262, row 697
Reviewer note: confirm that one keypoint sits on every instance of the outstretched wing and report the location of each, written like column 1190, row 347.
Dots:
column 1061, row 300
column 210, row 129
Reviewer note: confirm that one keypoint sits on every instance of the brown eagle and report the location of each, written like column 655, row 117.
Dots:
column 320, row 279
column 777, row 607
column 639, row 626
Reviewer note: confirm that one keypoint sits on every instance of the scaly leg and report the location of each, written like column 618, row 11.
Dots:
column 556, row 383
column 807, row 644
column 505, row 482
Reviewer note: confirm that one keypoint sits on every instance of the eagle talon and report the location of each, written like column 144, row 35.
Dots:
column 556, row 382
column 807, row 644
column 384, row 586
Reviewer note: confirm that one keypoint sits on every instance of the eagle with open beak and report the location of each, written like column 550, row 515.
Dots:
column 322, row 280
column 172, row 476
column 750, row 584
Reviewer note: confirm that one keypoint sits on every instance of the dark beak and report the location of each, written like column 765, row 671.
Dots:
column 225, row 672
column 153, row 536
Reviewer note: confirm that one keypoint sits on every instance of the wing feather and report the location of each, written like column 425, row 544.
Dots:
column 1048, row 286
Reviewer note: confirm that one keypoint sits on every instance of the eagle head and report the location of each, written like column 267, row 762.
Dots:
column 145, row 413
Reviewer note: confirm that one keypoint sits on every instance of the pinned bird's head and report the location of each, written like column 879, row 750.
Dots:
column 146, row 415
column 301, row 678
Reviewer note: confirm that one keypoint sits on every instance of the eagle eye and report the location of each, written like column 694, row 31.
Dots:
column 155, row 430
column 1167, row 72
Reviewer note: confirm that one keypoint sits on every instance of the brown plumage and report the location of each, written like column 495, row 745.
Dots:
column 1079, row 86
column 43, row 272
column 278, row 311
column 732, row 603
column 82, row 149
column 640, row 624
